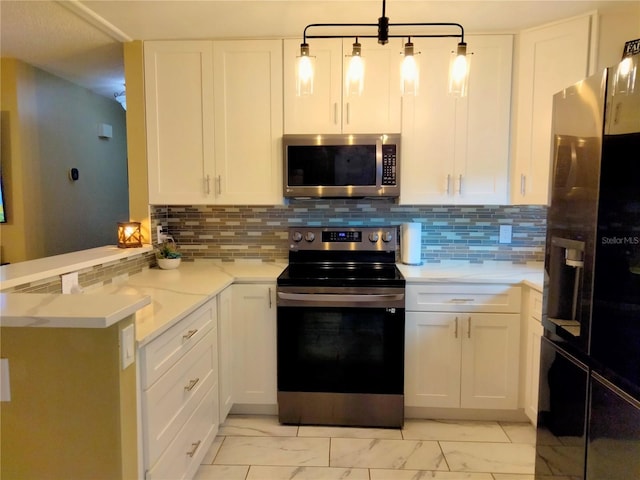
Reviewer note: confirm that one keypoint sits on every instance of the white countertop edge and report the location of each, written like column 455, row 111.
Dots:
column 15, row 274
column 143, row 339
column 89, row 311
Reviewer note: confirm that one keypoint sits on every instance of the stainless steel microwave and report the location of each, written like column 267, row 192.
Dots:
column 339, row 166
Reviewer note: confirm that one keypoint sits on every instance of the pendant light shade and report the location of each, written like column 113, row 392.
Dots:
column 410, row 74
column 459, row 72
column 624, row 81
column 304, row 72
column 354, row 81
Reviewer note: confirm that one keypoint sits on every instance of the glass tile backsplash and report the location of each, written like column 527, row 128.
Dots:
column 470, row 233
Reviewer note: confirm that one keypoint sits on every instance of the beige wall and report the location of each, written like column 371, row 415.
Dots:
column 137, row 139
column 51, row 126
column 72, row 412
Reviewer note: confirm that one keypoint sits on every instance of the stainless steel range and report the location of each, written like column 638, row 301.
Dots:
column 341, row 328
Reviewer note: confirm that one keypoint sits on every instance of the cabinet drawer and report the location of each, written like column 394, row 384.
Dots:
column 157, row 357
column 463, row 298
column 183, row 456
column 535, row 305
column 173, row 398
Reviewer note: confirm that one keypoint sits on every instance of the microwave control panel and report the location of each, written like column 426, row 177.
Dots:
column 389, row 165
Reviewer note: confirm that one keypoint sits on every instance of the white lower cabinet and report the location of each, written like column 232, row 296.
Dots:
column 459, row 357
column 254, row 344
column 179, row 395
column 225, row 352
column 534, row 332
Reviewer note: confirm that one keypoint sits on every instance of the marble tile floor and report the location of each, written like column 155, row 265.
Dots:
column 259, row 448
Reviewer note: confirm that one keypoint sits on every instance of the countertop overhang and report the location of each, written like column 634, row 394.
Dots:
column 67, row 311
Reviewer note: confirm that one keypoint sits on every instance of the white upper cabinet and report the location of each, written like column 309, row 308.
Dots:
column 179, row 116
column 329, row 109
column 214, row 122
column 456, row 150
column 552, row 57
column 248, row 121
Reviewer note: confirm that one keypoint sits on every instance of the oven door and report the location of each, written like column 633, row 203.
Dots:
column 341, row 343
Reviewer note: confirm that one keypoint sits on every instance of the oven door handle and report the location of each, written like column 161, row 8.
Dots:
column 334, row 298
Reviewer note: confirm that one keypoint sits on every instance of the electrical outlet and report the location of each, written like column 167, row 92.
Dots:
column 505, row 233
column 69, row 281
column 162, row 233
column 127, row 346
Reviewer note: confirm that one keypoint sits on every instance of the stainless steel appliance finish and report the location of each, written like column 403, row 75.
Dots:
column 336, row 166
column 589, row 392
column 341, row 328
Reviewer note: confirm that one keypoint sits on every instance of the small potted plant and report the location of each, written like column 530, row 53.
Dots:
column 167, row 255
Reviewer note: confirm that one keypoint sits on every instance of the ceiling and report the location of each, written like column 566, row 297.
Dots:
column 82, row 40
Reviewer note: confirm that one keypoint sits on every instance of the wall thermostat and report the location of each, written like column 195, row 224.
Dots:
column 74, row 174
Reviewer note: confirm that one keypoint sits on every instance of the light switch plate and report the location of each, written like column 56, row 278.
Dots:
column 5, row 384
column 505, row 233
column 127, row 346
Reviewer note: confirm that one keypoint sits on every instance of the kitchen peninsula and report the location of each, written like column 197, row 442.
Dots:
column 204, row 295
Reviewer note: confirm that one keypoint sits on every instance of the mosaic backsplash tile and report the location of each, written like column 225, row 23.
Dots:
column 468, row 233
column 98, row 274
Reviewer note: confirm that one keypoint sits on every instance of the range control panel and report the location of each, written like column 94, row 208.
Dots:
column 347, row 238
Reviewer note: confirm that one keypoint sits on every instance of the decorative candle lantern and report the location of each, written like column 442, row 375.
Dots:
column 129, row 235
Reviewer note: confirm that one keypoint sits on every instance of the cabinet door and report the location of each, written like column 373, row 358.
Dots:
column 179, row 117
column 532, row 369
column 254, row 344
column 483, row 123
column 428, row 128
column 225, row 352
column 432, row 360
column 377, row 109
column 322, row 111
column 551, row 57
column 490, row 360
column 248, row 119
column 456, row 150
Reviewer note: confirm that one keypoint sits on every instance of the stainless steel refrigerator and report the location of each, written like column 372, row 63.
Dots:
column 589, row 391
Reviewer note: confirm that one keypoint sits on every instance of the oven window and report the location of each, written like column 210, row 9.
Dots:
column 341, row 350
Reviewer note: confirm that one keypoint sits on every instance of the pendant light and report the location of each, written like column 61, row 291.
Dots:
column 354, row 80
column 409, row 70
column 304, row 72
column 459, row 71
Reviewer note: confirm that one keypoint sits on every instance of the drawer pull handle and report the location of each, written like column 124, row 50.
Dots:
column 192, row 383
column 462, row 300
column 456, row 331
column 469, row 330
column 189, row 334
column 194, row 448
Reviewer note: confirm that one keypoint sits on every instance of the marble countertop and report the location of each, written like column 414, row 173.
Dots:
column 68, row 311
column 531, row 274
column 176, row 293
column 161, row 298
